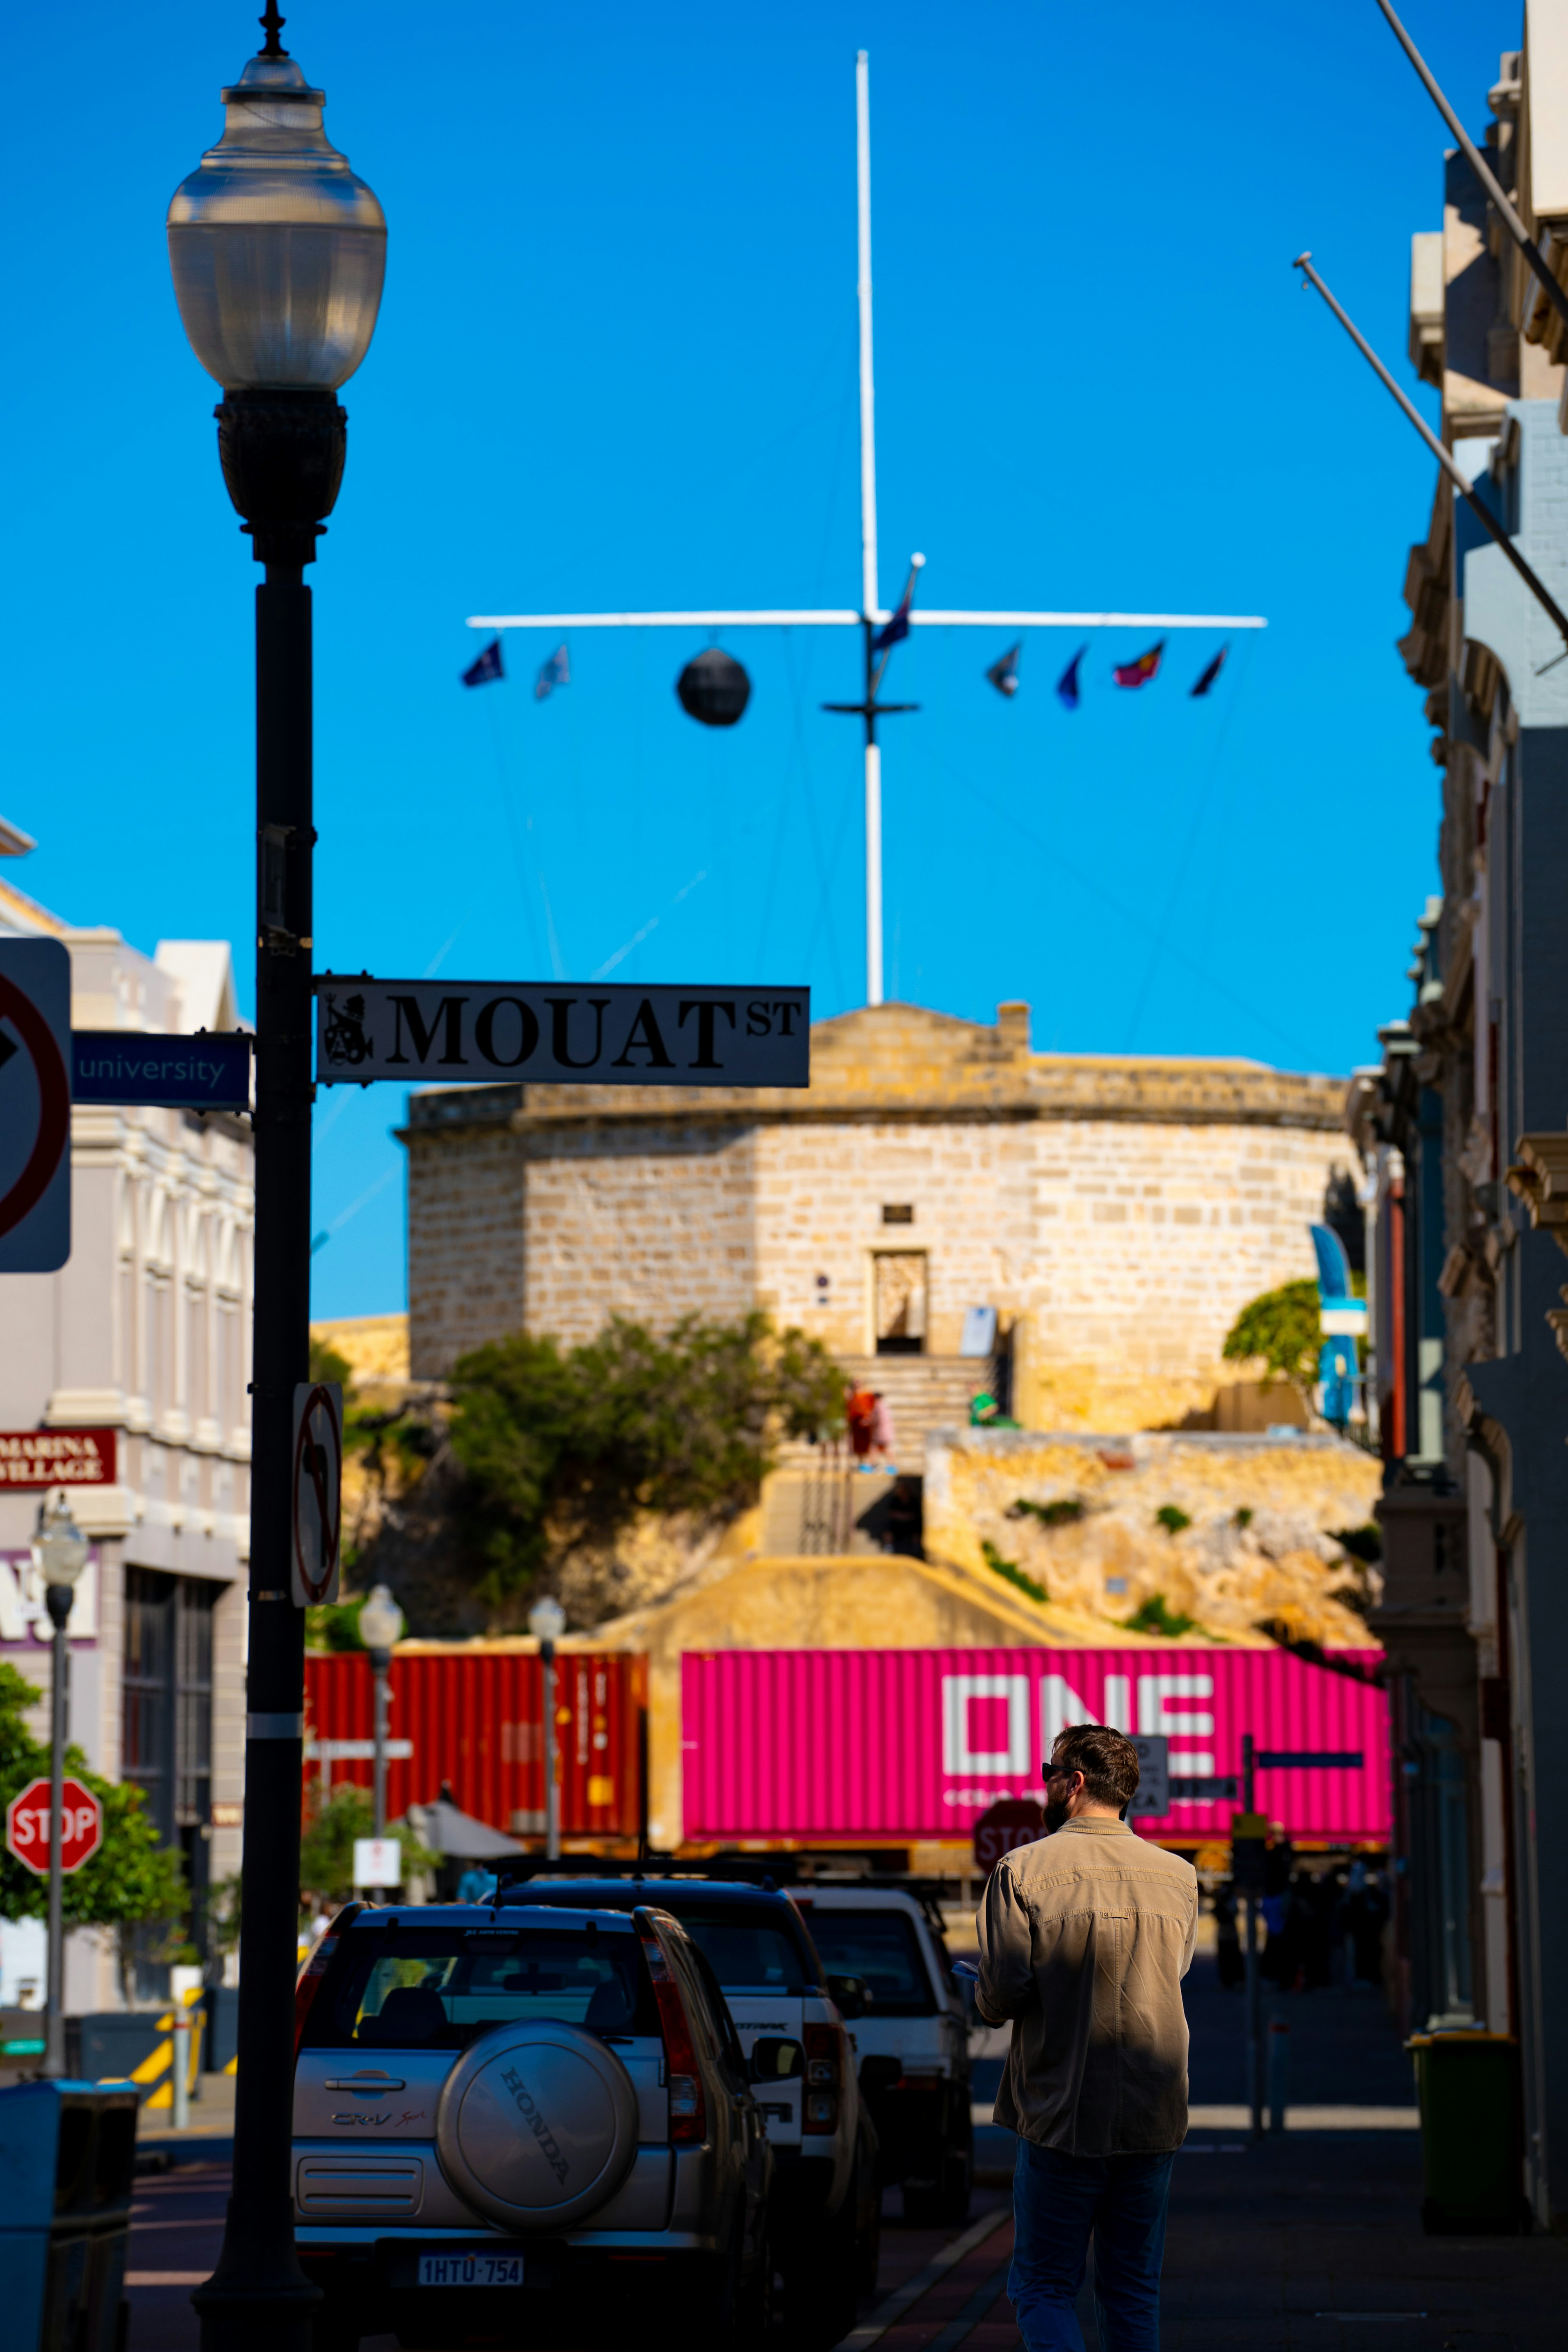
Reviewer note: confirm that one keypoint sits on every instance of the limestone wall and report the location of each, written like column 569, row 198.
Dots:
column 1118, row 1212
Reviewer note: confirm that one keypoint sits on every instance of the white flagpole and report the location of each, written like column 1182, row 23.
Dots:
column 868, row 531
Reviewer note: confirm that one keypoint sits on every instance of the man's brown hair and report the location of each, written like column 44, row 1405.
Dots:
column 1109, row 1762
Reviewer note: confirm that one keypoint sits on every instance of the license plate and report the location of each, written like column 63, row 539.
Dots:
column 470, row 2270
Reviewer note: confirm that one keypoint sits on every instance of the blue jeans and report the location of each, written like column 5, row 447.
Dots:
column 1057, row 2201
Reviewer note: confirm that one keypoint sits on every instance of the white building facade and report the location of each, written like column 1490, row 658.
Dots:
column 144, row 1332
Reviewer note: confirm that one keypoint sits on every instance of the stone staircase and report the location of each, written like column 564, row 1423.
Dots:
column 924, row 1393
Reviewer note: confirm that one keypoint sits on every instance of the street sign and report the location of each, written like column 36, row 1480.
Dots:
column 27, row 1826
column 316, row 1513
column 474, row 1032
column 1010, row 1823
column 1153, row 1791
column 209, row 1072
column 57, row 1458
column 378, row 1862
column 35, row 1106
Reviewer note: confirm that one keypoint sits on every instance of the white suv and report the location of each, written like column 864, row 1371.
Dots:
column 505, row 2116
column 913, row 2041
column 827, row 2207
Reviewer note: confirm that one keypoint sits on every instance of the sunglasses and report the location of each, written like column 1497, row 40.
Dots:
column 1049, row 1772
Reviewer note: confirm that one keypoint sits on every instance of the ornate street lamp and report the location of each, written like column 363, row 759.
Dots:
column 547, row 1622
column 60, row 1550
column 381, row 1629
column 278, row 252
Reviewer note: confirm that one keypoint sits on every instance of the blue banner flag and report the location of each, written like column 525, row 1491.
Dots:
column 1004, row 672
column 1066, row 685
column 556, row 671
column 1210, row 674
column 488, row 667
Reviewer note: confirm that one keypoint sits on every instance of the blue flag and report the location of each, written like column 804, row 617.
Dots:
column 1004, row 672
column 898, row 628
column 488, row 667
column 556, row 671
column 1067, row 684
column 1211, row 672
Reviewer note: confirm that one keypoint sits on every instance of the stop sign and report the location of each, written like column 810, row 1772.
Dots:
column 1010, row 1821
column 27, row 1826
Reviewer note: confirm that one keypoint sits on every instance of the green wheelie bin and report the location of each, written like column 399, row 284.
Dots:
column 1467, row 2085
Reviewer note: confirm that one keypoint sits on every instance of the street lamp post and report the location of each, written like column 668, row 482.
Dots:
column 380, row 1628
column 278, row 252
column 60, row 1550
column 547, row 1622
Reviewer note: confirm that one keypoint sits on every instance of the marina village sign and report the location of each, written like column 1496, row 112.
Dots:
column 468, row 1032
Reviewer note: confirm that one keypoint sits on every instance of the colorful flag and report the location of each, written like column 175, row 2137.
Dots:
column 1211, row 672
column 487, row 668
column 898, row 628
column 1003, row 673
column 1066, row 685
column 1139, row 672
column 556, row 671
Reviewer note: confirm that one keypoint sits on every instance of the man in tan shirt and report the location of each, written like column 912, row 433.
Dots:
column 1085, row 1937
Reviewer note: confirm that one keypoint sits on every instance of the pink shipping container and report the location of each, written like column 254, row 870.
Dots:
column 841, row 1746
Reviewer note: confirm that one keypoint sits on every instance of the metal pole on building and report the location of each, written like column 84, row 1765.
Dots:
column 547, row 1622
column 1496, row 195
column 60, row 1551
column 279, row 320
column 1478, row 505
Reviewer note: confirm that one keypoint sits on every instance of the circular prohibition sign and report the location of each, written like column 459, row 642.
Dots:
column 54, row 1106
column 310, row 1462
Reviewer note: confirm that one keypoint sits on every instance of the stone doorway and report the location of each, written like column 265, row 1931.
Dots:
column 899, row 1302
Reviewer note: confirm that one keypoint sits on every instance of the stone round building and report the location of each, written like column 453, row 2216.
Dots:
column 1112, row 1212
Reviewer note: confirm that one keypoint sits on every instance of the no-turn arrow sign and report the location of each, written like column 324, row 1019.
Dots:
column 317, row 1514
column 27, row 1826
column 35, row 1106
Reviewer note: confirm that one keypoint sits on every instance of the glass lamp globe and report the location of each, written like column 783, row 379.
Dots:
column 380, row 1621
column 59, row 1547
column 547, row 1620
column 278, row 251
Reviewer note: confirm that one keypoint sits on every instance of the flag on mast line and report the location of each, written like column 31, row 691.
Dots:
column 1004, row 672
column 488, row 666
column 556, row 671
column 1140, row 672
column 1211, row 672
column 898, row 625
column 1068, row 686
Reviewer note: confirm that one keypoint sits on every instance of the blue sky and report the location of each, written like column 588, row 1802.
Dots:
column 616, row 367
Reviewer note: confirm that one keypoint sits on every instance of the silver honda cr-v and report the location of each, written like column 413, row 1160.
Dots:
column 507, row 2121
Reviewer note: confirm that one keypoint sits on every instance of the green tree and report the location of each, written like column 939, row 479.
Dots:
column 326, row 1364
column 1281, row 1331
column 333, row 1823
column 562, row 1445
column 131, row 1881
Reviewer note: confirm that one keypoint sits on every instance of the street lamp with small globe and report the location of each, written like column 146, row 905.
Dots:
column 278, row 252
column 547, row 1622
column 60, row 1553
column 380, row 1628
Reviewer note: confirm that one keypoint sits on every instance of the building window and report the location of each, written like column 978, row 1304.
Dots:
column 898, row 1212
column 899, row 1302
column 167, row 1724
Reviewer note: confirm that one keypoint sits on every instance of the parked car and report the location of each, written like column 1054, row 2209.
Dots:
column 827, row 2207
column 913, row 2041
column 506, row 2118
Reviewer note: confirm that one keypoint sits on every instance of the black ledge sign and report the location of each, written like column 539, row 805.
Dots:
column 460, row 1032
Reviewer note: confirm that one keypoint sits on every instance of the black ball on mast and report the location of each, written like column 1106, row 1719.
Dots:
column 713, row 688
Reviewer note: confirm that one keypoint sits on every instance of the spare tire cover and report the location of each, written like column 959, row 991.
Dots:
column 537, row 2125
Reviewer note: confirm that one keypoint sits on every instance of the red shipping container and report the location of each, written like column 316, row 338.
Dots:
column 838, row 1747
column 474, row 1717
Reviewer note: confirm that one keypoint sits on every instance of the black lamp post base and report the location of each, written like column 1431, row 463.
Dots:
column 262, row 2301
column 282, row 457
